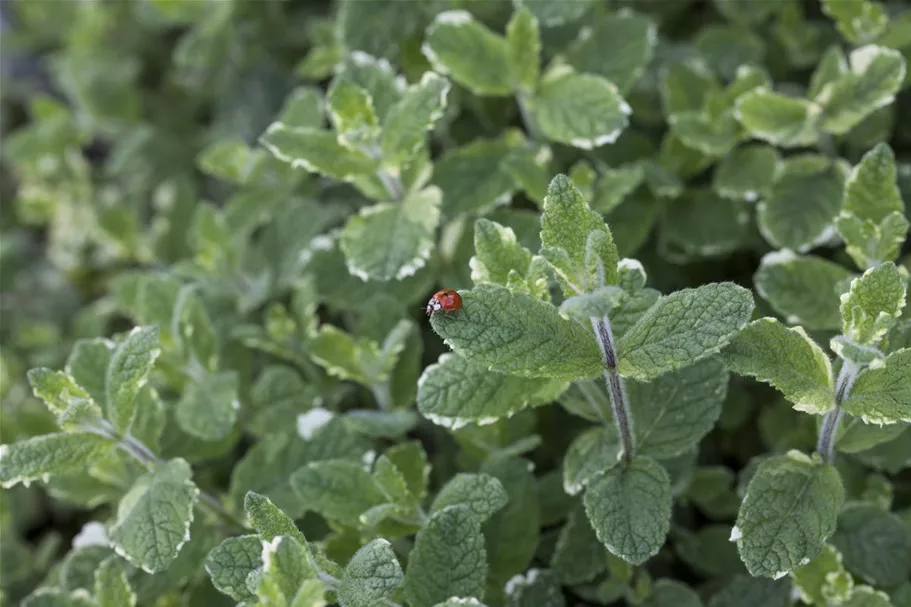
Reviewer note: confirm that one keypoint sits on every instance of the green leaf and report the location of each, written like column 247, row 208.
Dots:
column 580, row 110
column 524, row 39
column 747, row 591
column 855, row 436
column 823, row 578
column 391, row 241
column 869, row 243
column 352, row 115
column 567, row 224
column 482, row 494
column 317, row 151
column 196, row 335
column 618, row 46
column 40, row 457
column 876, row 75
column 230, row 563
column 882, row 395
column 788, row 359
column 615, row 185
column 790, row 508
column 55, row 597
column 537, row 588
column 371, row 577
column 497, row 253
column 511, row 534
column 671, row 593
column 287, row 564
column 268, row 520
column 630, row 509
column 228, row 159
column 702, row 224
column 859, row 21
column 153, row 518
column 454, row 392
column 517, row 334
column 471, row 176
column 873, row 304
column 87, row 365
column 803, row 289
column 405, row 126
column 409, row 459
column 448, row 559
column 682, row 328
column 685, row 86
column 375, row 76
column 458, row 46
column 207, row 409
column 876, row 544
column 303, row 107
column 871, row 191
column 799, row 212
column 112, row 587
column 57, row 389
column 127, row 373
column 676, row 410
column 781, row 120
column 553, row 13
column 578, row 556
column 747, row 173
column 338, row 490
column 865, row 596
column 591, row 453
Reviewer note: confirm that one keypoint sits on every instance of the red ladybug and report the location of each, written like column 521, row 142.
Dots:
column 446, row 300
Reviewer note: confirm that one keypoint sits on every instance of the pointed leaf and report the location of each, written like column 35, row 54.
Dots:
column 780, row 120
column 882, row 395
column 127, row 373
column 230, row 563
column 317, row 151
column 40, row 457
column 482, row 494
column 406, row 125
column 371, row 577
column 873, row 304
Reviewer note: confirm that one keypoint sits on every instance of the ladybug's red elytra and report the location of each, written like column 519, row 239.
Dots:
column 446, row 300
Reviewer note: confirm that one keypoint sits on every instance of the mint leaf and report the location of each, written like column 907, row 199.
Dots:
column 537, row 588
column 580, row 110
column 702, row 224
column 855, row 436
column 112, row 587
column 685, row 85
column 529, row 167
column 859, row 21
column 869, row 243
column 747, row 173
column 865, row 596
column 788, row 360
column 590, row 454
column 287, row 565
column 781, row 120
column 371, row 577
column 407, row 122
column 510, row 534
column 677, row 409
column 670, row 593
column 208, row 407
column 615, row 185
column 524, row 39
column 497, row 253
column 338, row 490
column 268, row 520
column 882, row 395
column 391, row 241
column 517, row 334
column 230, row 563
column 351, row 112
column 127, row 372
column 454, row 392
column 873, row 304
column 448, row 559
column 552, row 13
column 482, row 494
column 153, row 518
column 471, row 176
column 876, row 75
column 59, row 390
column 87, row 365
column 747, row 591
column 823, row 578
column 682, row 328
column 374, row 75
column 475, row 57
column 630, row 509
column 40, row 457
column 317, row 151
column 799, row 212
column 876, row 544
column 618, row 46
column 803, row 289
column 578, row 556
column 304, row 107
column 790, row 509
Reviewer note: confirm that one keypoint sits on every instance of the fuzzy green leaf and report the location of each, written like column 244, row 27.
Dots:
column 153, row 518
column 406, row 125
column 338, row 490
column 682, row 328
column 591, row 453
column 873, row 304
column 268, row 520
column 371, row 576
column 60, row 390
column 207, row 409
column 112, row 587
column 859, row 21
column 555, row 12
column 799, row 212
column 780, row 120
column 882, row 395
column 127, row 372
column 391, row 241
column 823, row 578
column 317, row 151
column 790, row 509
column 524, row 39
column 788, row 360
column 870, row 243
column 685, row 85
column 482, row 494
column 41, row 457
column 448, row 559
column 876, row 544
column 747, row 173
column 876, row 75
column 87, row 364
column 471, row 177
column 578, row 556
column 352, row 115
column 230, row 563
column 287, row 565
column 537, row 588
column 374, row 75
column 497, row 252
column 871, row 191
column 630, row 509
column 510, row 535
column 671, row 593
column 517, row 334
column 580, row 110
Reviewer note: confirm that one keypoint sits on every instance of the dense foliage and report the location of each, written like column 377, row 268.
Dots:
column 681, row 370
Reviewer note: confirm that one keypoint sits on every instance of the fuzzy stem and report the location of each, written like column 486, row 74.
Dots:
column 832, row 419
column 620, row 409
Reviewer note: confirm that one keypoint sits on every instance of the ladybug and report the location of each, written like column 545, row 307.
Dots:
column 446, row 300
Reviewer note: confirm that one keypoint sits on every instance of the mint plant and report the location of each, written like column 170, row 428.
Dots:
column 678, row 374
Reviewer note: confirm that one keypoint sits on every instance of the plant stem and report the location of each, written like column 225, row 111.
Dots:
column 832, row 419
column 392, row 184
column 619, row 404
